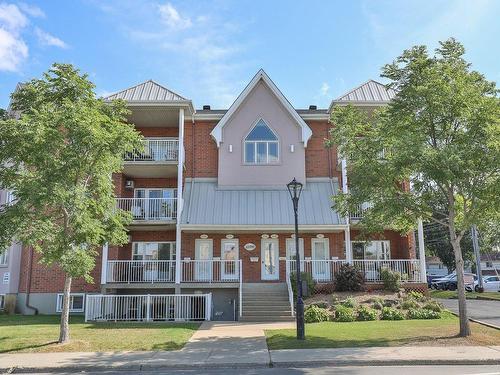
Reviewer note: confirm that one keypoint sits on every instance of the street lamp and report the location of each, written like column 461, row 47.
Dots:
column 295, row 188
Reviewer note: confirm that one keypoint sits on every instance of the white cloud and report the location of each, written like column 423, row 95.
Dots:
column 47, row 39
column 172, row 18
column 13, row 51
column 32, row 10
column 325, row 89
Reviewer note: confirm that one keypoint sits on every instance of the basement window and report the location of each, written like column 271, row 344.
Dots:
column 76, row 303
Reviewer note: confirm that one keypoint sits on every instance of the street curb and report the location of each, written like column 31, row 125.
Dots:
column 478, row 321
column 296, row 364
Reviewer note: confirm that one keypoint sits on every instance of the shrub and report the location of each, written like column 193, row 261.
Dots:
column 348, row 279
column 321, row 304
column 377, row 305
column 391, row 279
column 365, row 313
column 390, row 313
column 409, row 303
column 417, row 296
column 344, row 314
column 315, row 314
column 305, row 277
column 389, row 303
column 433, row 306
column 423, row 314
column 324, row 288
column 349, row 302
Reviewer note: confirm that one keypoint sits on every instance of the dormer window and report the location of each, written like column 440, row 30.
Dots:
column 261, row 145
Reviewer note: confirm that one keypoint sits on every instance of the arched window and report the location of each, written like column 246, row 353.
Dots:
column 261, row 145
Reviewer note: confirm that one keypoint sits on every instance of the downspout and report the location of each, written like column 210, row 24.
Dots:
column 28, row 286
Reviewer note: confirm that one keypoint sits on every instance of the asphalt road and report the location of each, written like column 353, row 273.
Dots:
column 485, row 311
column 361, row 370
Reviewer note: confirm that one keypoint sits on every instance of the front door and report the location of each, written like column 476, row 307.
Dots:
column 320, row 256
column 270, row 259
column 203, row 260
column 229, row 259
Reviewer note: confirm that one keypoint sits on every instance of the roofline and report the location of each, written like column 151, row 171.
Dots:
column 141, row 83
column 158, row 103
column 264, row 228
column 216, row 133
column 219, row 116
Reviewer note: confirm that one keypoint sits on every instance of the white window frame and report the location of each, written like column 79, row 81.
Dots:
column 172, row 255
column 255, row 143
column 365, row 243
column 59, row 302
column 4, row 258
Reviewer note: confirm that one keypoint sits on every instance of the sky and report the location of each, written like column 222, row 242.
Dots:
column 208, row 51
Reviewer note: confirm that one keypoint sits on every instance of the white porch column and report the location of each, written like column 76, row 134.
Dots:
column 104, row 265
column 347, row 232
column 180, row 200
column 421, row 251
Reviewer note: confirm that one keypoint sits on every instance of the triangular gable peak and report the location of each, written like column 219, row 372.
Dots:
column 306, row 132
column 148, row 91
column 371, row 93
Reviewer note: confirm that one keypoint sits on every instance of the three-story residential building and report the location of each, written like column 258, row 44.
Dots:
column 212, row 231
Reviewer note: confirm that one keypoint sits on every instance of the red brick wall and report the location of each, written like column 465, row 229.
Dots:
column 320, row 161
column 252, row 270
column 202, row 157
column 51, row 279
column 402, row 247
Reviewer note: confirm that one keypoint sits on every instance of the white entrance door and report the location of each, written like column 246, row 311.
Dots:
column 320, row 256
column 203, row 260
column 270, row 259
column 229, row 258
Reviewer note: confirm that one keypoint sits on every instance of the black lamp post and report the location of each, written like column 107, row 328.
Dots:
column 295, row 188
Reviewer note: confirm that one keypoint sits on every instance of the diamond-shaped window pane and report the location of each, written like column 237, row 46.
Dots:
column 261, row 132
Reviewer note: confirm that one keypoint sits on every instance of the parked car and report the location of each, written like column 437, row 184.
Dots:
column 492, row 284
column 451, row 284
column 438, row 283
column 486, row 279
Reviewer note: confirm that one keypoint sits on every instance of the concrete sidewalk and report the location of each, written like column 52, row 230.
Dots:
column 139, row 361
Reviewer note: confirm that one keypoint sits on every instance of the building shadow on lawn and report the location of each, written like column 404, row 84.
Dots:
column 193, row 326
column 277, row 342
column 19, row 348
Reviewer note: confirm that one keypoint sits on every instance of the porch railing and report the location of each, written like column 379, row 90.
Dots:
column 140, row 271
column 211, row 271
column 149, row 208
column 156, row 150
column 178, row 307
column 324, row 271
column 289, row 288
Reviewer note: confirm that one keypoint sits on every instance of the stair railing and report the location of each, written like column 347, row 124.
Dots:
column 290, row 290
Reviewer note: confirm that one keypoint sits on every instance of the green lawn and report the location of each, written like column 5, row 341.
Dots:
column 448, row 294
column 382, row 333
column 40, row 333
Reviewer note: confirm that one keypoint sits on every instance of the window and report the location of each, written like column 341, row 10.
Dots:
column 373, row 250
column 153, row 251
column 76, row 302
column 261, row 145
column 4, row 258
column 2, row 301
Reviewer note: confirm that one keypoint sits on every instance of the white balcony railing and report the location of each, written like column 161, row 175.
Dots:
column 325, row 270
column 140, row 271
column 359, row 212
column 211, row 271
column 156, row 150
column 178, row 307
column 149, row 208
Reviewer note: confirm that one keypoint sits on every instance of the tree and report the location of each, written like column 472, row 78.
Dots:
column 58, row 159
column 437, row 141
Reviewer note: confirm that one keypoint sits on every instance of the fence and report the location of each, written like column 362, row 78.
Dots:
column 140, row 271
column 178, row 307
column 149, row 208
column 211, row 271
column 156, row 150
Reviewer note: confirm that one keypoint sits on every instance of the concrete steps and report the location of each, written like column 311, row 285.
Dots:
column 265, row 302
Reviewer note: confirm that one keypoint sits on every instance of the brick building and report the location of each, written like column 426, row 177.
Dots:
column 213, row 220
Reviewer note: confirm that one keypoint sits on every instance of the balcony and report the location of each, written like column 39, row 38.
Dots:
column 324, row 271
column 149, row 210
column 163, row 271
column 159, row 159
column 357, row 214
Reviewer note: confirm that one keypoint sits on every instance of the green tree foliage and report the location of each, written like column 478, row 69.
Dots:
column 58, row 159
column 440, row 136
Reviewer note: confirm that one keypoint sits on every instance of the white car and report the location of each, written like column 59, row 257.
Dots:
column 491, row 284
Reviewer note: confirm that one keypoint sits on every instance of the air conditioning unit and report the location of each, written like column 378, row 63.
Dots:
column 129, row 184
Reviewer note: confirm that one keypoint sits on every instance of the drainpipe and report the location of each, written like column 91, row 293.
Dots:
column 347, row 234
column 28, row 286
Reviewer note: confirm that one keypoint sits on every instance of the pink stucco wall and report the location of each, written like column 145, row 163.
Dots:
column 261, row 103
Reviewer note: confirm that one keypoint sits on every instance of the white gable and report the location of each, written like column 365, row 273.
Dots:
column 261, row 76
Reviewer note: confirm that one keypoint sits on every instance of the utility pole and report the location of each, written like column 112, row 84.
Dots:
column 475, row 245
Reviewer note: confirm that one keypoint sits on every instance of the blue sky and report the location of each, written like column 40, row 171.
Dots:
column 209, row 50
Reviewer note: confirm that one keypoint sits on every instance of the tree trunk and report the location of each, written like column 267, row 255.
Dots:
column 459, row 263
column 64, row 327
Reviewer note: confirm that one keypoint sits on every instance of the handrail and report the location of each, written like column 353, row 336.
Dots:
column 290, row 289
column 149, row 208
column 155, row 150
